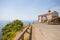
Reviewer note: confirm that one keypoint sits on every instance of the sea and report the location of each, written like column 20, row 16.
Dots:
column 3, row 23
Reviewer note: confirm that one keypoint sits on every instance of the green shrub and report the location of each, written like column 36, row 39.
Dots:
column 10, row 29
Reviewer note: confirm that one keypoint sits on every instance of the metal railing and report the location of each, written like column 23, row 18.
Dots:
column 21, row 35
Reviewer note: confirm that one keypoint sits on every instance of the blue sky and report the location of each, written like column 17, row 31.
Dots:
column 26, row 9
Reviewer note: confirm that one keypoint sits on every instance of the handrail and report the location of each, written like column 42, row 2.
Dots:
column 21, row 35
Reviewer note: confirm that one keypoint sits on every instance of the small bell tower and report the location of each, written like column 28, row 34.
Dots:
column 49, row 11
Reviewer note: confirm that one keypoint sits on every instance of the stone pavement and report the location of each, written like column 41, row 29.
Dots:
column 42, row 31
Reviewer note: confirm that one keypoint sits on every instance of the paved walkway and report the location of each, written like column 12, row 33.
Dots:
column 45, row 32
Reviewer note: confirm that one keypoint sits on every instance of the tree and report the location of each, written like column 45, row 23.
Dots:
column 10, row 29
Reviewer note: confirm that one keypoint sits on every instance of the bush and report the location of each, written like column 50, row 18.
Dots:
column 10, row 29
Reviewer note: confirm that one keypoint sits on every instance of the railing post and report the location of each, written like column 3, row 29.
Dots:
column 30, row 33
column 23, row 36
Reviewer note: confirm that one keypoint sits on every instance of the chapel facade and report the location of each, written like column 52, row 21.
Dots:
column 48, row 16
